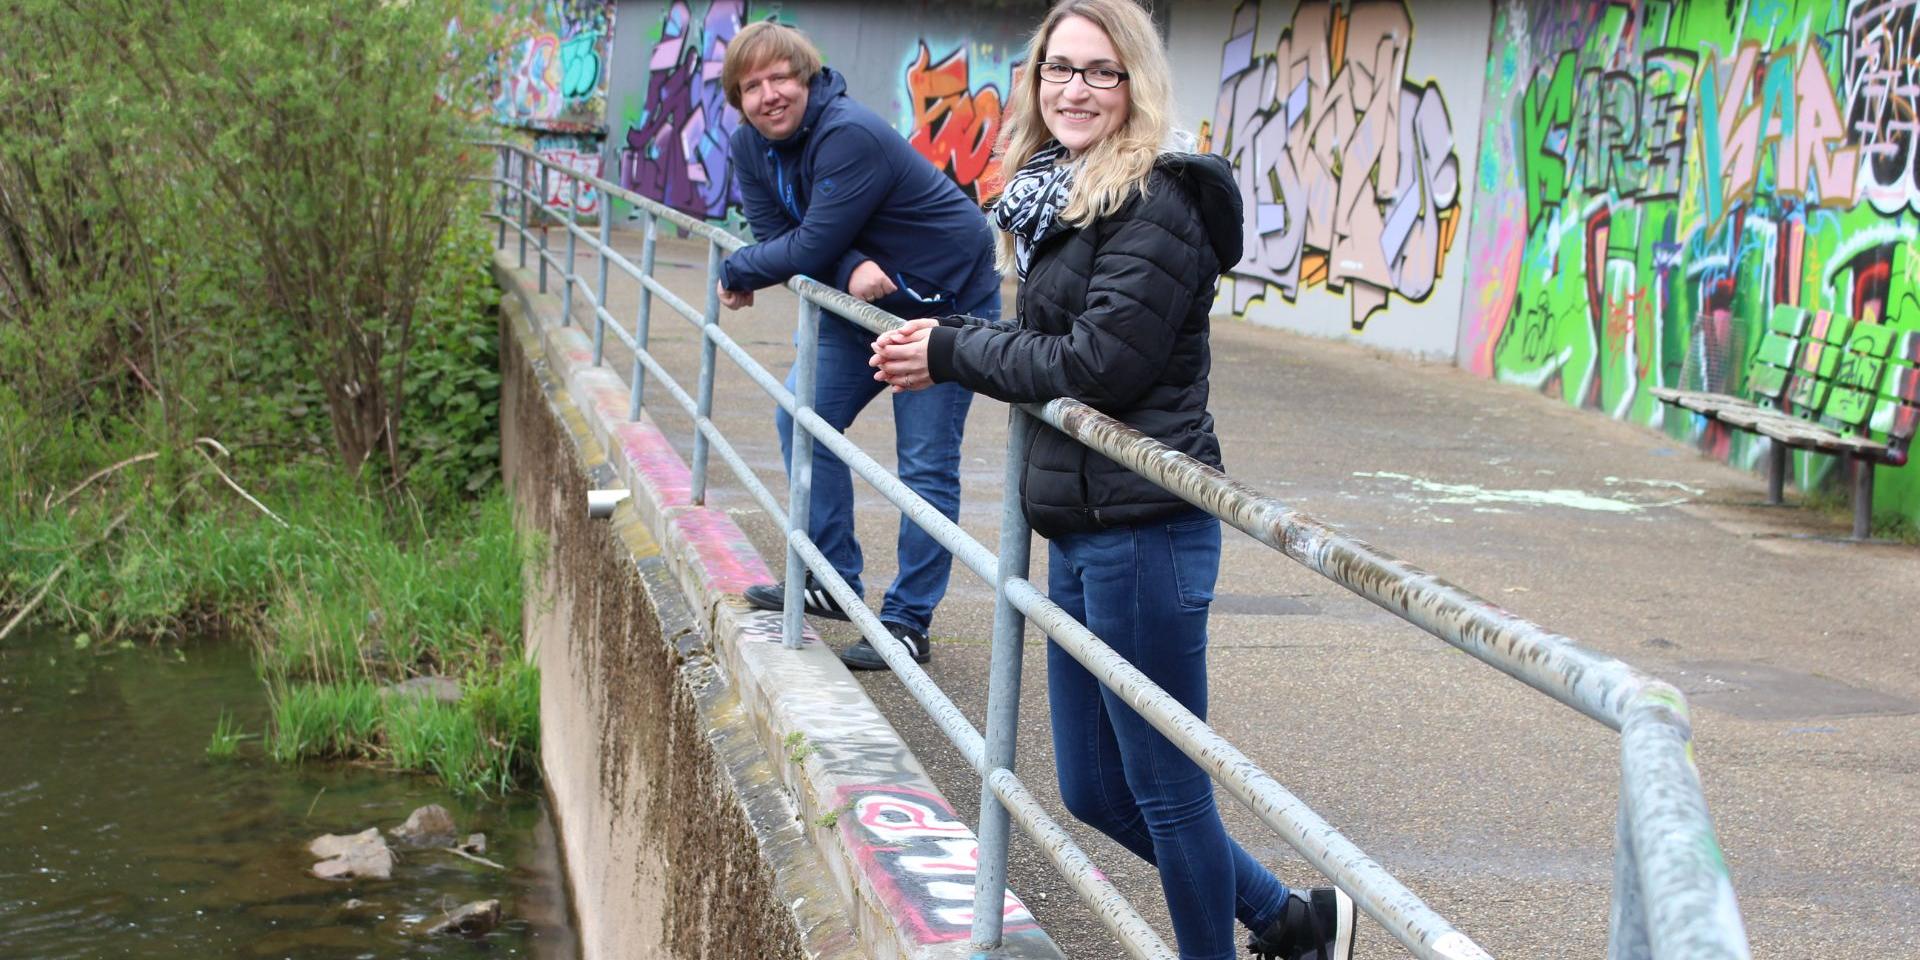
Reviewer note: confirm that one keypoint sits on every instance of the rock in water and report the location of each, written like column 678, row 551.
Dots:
column 362, row 855
column 443, row 689
column 429, row 826
column 472, row 920
column 476, row 844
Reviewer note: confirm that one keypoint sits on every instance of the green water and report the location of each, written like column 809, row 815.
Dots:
column 119, row 837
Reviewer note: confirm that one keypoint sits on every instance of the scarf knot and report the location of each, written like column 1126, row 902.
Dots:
column 1030, row 206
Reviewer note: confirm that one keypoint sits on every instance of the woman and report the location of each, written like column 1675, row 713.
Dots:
column 1119, row 244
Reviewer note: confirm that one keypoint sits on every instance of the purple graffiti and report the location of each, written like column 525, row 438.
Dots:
column 679, row 152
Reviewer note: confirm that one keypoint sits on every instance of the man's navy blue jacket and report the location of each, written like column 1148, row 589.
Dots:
column 845, row 188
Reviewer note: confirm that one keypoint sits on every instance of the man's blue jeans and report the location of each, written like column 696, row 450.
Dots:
column 1144, row 590
column 927, row 427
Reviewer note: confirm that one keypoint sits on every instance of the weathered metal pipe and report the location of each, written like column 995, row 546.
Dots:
column 1666, row 841
column 600, row 503
column 1107, row 903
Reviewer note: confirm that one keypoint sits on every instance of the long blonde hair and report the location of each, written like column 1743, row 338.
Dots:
column 1116, row 168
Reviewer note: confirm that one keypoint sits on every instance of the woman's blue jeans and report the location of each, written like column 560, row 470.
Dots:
column 927, row 426
column 1145, row 590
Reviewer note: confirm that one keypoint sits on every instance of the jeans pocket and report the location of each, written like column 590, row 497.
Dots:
column 1195, row 548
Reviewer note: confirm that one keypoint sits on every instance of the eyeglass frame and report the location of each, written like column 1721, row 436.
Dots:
column 1082, row 73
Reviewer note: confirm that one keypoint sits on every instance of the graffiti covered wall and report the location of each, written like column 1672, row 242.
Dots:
column 946, row 96
column 550, row 89
column 1350, row 128
column 1656, row 176
column 554, row 74
column 677, row 152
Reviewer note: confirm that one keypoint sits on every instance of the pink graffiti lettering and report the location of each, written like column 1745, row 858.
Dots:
column 1347, row 170
column 922, row 859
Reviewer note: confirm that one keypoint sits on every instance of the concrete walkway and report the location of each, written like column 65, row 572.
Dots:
column 1495, row 804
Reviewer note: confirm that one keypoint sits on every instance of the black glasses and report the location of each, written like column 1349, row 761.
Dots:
column 1099, row 78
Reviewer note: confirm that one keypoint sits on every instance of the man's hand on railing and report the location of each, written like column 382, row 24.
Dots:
column 900, row 356
column 869, row 282
column 733, row 299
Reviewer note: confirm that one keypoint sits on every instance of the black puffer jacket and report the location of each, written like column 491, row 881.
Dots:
column 1114, row 315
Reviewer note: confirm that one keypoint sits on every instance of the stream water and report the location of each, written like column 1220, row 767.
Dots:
column 120, row 837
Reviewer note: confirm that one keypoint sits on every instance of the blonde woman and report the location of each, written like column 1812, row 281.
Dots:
column 1119, row 244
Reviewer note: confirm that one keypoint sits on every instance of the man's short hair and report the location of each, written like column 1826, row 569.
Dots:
column 763, row 43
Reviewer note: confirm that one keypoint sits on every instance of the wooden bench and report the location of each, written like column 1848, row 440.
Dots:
column 1824, row 383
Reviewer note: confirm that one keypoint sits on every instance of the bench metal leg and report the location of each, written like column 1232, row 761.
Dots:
column 1776, row 472
column 1862, row 498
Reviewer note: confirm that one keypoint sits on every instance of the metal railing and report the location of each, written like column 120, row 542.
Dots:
column 1672, row 896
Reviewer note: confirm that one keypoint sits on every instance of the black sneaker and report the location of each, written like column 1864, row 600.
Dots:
column 1316, row 927
column 862, row 655
column 773, row 596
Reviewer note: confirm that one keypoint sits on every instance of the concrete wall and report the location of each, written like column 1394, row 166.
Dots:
column 719, row 794
column 551, row 91
column 1352, row 127
column 938, row 71
column 1583, row 197
column 638, row 728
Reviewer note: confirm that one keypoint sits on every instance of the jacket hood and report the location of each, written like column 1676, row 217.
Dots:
column 827, row 86
column 1208, row 178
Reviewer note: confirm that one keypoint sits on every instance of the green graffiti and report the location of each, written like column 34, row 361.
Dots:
column 1547, row 108
column 1655, row 178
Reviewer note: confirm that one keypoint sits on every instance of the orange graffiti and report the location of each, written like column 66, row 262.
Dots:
column 954, row 127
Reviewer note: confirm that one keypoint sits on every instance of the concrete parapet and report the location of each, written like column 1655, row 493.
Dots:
column 719, row 795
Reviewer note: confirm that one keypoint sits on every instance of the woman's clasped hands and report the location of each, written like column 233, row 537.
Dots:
column 900, row 356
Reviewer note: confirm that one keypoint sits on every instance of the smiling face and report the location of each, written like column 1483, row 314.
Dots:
column 773, row 99
column 1077, row 115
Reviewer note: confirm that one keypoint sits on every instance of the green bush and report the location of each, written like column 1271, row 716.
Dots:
column 249, row 345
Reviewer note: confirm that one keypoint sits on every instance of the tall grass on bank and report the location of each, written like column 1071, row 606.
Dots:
column 345, row 599
column 342, row 635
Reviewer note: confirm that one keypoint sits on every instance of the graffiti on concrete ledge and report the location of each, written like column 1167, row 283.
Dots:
column 923, row 858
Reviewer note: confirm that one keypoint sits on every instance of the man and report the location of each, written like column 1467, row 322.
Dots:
column 833, row 193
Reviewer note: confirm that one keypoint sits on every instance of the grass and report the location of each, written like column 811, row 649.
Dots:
column 442, row 599
column 1836, row 503
column 225, row 742
column 345, row 599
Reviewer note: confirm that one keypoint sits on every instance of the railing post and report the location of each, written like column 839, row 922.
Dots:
column 600, row 301
column 524, row 218
column 505, row 193
column 800, row 472
column 1003, row 691
column 543, row 226
column 704, row 401
column 1627, row 923
column 643, row 321
column 572, row 273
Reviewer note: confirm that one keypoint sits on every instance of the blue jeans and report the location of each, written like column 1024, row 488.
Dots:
column 927, row 426
column 1145, row 591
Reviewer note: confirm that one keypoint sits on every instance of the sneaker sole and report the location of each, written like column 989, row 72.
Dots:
column 810, row 611
column 879, row 663
column 1342, row 925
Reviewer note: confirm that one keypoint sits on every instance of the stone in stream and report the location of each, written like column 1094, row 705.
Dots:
column 476, row 844
column 429, row 826
column 362, row 855
column 472, row 920
column 443, row 689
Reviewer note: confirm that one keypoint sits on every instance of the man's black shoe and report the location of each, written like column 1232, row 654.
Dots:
column 862, row 655
column 773, row 596
column 1318, row 926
